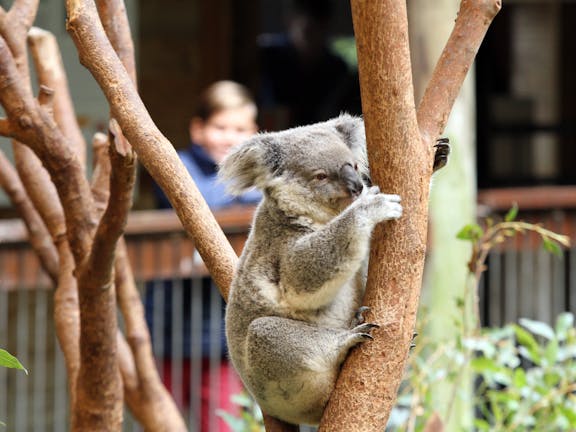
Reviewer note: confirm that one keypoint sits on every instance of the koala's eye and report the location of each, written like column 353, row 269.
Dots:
column 355, row 167
column 321, row 176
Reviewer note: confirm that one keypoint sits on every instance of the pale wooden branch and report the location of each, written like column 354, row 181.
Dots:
column 153, row 149
column 35, row 128
column 474, row 18
column 46, row 98
column 5, row 127
column 102, row 410
column 100, row 184
column 146, row 396
column 38, row 234
column 14, row 25
column 115, row 22
column 50, row 70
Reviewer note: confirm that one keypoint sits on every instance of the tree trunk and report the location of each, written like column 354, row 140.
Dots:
column 401, row 156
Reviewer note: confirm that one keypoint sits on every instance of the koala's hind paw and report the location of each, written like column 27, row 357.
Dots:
column 441, row 156
column 362, row 331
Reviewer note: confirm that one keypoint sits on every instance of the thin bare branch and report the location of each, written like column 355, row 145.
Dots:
column 153, row 149
column 101, row 173
column 13, row 27
column 474, row 18
column 37, row 233
column 35, row 128
column 5, row 127
column 103, row 409
column 50, row 70
column 46, row 98
column 115, row 22
column 146, row 396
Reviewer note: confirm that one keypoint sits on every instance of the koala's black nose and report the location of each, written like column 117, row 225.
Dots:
column 351, row 180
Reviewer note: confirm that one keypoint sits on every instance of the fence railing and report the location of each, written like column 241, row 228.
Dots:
column 185, row 312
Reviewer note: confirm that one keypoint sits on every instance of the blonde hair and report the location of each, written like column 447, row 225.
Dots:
column 223, row 95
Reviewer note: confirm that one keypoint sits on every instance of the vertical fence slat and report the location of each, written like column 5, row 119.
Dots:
column 197, row 299
column 40, row 360
column 3, row 342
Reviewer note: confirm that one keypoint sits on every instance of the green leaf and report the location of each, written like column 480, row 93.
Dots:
column 9, row 361
column 530, row 346
column 551, row 352
column 564, row 323
column 569, row 414
column 484, row 365
column 551, row 246
column 538, row 328
column 236, row 424
column 519, row 378
column 512, row 213
column 470, row 232
column 482, row 425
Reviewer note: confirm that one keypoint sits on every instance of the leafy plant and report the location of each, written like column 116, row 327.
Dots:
column 528, row 376
column 527, row 372
column 9, row 361
column 250, row 419
column 485, row 238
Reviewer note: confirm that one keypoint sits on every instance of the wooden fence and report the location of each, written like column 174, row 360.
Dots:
column 185, row 313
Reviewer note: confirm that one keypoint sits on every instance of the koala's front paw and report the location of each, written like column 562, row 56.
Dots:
column 378, row 207
column 441, row 155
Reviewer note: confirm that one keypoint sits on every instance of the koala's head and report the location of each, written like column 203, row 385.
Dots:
column 309, row 171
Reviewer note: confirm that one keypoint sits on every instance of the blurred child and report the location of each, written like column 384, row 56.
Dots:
column 225, row 115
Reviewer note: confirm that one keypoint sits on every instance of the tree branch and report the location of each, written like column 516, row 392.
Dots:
column 153, row 149
column 102, row 409
column 37, row 232
column 50, row 70
column 474, row 18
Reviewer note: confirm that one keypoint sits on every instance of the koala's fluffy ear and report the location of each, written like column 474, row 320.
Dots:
column 250, row 164
column 351, row 129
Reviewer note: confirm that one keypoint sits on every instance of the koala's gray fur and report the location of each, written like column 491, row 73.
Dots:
column 292, row 313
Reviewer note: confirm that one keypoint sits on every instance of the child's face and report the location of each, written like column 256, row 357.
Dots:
column 223, row 130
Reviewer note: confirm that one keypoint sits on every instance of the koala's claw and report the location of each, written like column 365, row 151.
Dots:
column 412, row 343
column 359, row 316
column 365, row 328
column 442, row 147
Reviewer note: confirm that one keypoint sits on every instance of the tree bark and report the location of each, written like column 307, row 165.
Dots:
column 154, row 151
column 401, row 156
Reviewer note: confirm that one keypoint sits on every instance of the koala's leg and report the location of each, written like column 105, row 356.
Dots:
column 292, row 366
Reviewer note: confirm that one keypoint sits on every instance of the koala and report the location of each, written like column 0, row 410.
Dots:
column 294, row 308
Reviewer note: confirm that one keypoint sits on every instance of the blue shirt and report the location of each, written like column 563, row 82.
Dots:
column 204, row 171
